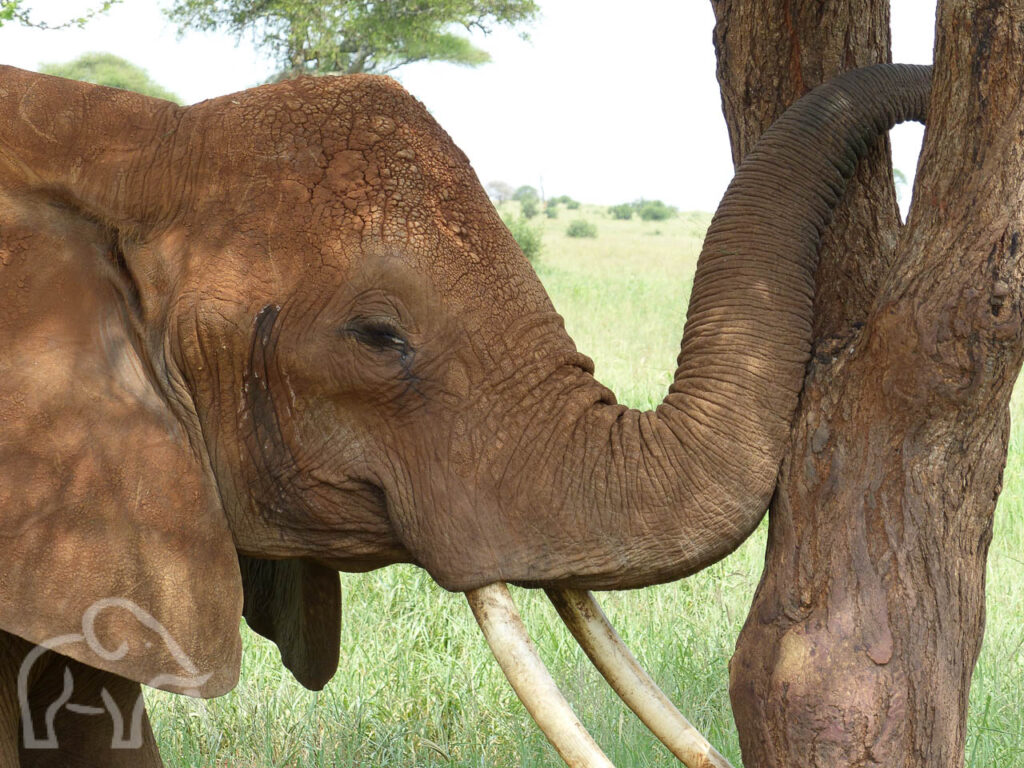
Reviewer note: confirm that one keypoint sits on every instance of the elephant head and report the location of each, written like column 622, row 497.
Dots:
column 288, row 325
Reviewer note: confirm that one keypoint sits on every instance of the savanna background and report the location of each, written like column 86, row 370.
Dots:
column 417, row 685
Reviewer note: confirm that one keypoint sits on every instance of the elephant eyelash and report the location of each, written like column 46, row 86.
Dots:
column 380, row 335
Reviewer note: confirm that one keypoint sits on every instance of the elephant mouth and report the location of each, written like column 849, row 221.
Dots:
column 505, row 633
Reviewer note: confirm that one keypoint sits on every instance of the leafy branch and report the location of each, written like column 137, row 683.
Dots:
column 351, row 36
column 14, row 10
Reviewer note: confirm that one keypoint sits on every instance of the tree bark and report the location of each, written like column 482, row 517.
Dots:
column 864, row 631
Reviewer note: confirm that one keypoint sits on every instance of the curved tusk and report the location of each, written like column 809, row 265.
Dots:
column 599, row 640
column 498, row 618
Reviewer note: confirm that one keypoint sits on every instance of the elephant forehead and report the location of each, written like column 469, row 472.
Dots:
column 358, row 138
column 300, row 176
column 325, row 162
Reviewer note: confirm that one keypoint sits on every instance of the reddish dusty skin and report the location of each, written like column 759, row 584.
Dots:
column 288, row 323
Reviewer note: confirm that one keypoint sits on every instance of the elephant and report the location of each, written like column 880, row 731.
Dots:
column 252, row 342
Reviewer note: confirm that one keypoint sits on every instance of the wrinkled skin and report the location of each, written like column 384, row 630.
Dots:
column 288, row 326
column 385, row 335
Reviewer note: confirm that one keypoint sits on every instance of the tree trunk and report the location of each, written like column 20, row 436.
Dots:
column 860, row 644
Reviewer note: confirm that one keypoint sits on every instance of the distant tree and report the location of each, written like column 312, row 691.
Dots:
column 108, row 69
column 15, row 10
column 499, row 191
column 623, row 212
column 529, row 207
column 526, row 192
column 352, row 36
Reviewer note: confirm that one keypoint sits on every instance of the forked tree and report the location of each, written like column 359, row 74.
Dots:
column 864, row 631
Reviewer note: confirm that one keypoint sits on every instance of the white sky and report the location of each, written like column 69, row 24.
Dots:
column 604, row 104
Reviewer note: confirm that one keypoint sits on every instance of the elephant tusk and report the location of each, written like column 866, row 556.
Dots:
column 599, row 640
column 511, row 645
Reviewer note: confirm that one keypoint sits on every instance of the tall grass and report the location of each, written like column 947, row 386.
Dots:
column 417, row 685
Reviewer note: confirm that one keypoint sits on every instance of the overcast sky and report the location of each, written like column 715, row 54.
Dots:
column 604, row 104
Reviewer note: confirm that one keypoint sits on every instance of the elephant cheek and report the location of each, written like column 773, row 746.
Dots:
column 453, row 531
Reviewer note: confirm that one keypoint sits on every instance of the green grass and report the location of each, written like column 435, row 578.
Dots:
column 995, row 723
column 417, row 685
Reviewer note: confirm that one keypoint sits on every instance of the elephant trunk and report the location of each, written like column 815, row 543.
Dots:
column 653, row 496
column 648, row 497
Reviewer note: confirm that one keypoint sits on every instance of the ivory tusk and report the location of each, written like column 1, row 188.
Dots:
column 599, row 640
column 511, row 645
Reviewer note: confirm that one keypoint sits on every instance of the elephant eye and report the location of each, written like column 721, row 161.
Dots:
column 379, row 334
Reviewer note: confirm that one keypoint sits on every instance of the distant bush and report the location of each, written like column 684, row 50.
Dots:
column 654, row 210
column 621, row 212
column 567, row 201
column 581, row 228
column 551, row 209
column 529, row 207
column 524, row 193
column 526, row 235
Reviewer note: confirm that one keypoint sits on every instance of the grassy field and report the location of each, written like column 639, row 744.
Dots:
column 417, row 685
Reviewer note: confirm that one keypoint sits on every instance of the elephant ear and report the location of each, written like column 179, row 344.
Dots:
column 115, row 548
column 297, row 604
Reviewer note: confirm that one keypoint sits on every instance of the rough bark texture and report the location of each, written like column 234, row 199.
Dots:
column 798, row 44
column 859, row 647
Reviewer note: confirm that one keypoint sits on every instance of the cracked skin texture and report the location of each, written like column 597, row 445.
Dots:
column 132, row 463
column 254, row 341
column 357, row 206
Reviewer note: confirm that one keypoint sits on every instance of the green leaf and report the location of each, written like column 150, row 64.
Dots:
column 11, row 10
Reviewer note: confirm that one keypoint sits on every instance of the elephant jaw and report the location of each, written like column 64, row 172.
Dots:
column 505, row 633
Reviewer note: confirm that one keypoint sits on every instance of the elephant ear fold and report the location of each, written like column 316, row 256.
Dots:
column 116, row 551
column 297, row 604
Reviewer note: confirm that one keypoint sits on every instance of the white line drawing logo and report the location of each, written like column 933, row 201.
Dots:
column 188, row 682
